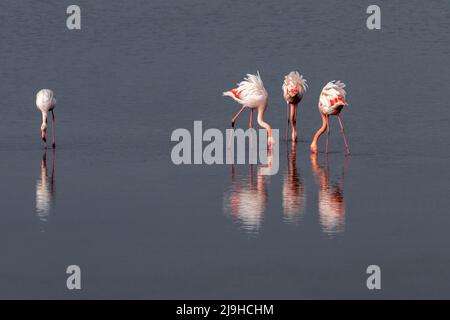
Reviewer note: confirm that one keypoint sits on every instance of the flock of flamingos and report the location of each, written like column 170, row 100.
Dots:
column 250, row 93
column 246, row 201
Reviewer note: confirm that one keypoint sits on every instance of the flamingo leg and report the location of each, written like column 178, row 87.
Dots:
column 53, row 130
column 250, row 140
column 347, row 149
column 236, row 116
column 233, row 120
column 328, row 134
column 287, row 125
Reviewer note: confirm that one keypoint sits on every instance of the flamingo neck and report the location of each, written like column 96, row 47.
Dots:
column 262, row 123
column 319, row 133
column 44, row 120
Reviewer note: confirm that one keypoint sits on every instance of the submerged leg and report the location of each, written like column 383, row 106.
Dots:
column 236, row 116
column 347, row 149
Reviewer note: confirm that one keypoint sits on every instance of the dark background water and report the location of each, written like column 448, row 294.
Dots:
column 141, row 227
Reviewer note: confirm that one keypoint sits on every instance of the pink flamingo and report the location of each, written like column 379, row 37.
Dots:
column 250, row 93
column 294, row 87
column 46, row 102
column 331, row 102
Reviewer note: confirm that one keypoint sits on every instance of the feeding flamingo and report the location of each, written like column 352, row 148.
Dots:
column 294, row 87
column 331, row 102
column 46, row 102
column 250, row 93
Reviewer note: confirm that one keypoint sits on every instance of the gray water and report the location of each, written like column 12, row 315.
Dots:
column 110, row 200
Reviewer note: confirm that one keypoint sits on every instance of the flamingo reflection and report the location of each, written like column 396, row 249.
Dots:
column 293, row 194
column 331, row 197
column 45, row 189
column 246, row 201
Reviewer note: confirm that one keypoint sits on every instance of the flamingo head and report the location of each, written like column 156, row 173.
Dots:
column 233, row 93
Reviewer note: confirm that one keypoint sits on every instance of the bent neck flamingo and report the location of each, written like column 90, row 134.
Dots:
column 331, row 102
column 250, row 93
column 46, row 102
column 294, row 87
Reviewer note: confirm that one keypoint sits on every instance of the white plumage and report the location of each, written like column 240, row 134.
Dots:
column 45, row 100
column 250, row 92
column 331, row 102
column 332, row 98
column 294, row 87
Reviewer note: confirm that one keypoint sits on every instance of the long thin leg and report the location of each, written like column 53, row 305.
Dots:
column 328, row 134
column 344, row 168
column 287, row 124
column 343, row 134
column 250, row 139
column 53, row 130
column 295, row 119
column 236, row 116
column 233, row 120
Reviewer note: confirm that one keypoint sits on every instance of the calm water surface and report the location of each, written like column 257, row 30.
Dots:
column 110, row 200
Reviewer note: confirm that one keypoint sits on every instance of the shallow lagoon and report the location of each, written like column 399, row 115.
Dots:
column 110, row 200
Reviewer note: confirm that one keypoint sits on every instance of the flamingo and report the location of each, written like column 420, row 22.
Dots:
column 250, row 93
column 331, row 102
column 294, row 87
column 46, row 102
